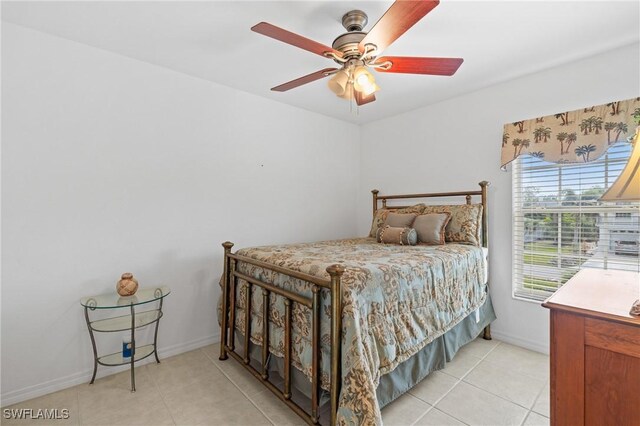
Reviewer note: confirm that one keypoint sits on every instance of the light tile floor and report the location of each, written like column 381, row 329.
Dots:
column 488, row 383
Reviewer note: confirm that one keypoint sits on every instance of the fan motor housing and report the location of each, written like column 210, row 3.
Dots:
column 347, row 43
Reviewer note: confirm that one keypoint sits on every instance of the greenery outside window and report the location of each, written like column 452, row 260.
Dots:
column 560, row 227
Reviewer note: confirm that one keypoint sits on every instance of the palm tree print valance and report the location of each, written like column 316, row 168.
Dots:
column 576, row 136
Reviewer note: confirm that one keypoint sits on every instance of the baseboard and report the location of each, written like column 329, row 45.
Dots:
column 542, row 347
column 34, row 391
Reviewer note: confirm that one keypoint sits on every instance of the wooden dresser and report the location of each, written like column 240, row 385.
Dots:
column 595, row 350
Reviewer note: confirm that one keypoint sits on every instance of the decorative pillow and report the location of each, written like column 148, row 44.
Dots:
column 396, row 235
column 465, row 225
column 381, row 216
column 430, row 227
column 400, row 220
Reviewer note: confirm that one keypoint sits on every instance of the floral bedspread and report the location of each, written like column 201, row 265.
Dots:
column 396, row 300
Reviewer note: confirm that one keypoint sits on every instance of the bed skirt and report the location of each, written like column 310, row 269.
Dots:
column 433, row 356
column 406, row 375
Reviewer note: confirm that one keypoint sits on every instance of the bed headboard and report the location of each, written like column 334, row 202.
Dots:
column 467, row 194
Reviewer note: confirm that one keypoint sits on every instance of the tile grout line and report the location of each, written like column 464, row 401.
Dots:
column 534, row 403
column 539, row 395
column 238, row 387
column 525, row 418
column 78, row 402
column 431, row 407
column 458, row 380
column 501, row 397
column 461, row 379
column 153, row 380
column 522, row 374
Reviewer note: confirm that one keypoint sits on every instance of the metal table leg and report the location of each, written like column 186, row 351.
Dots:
column 93, row 345
column 155, row 334
column 133, row 348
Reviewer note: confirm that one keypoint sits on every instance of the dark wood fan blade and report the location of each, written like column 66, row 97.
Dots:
column 304, row 80
column 416, row 65
column 362, row 99
column 402, row 15
column 293, row 39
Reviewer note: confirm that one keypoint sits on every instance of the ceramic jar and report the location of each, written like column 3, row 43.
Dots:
column 127, row 286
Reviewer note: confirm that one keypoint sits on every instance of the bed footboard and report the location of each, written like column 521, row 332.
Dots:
column 227, row 345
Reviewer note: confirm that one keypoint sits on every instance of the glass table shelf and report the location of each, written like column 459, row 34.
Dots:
column 116, row 358
column 114, row 300
column 123, row 323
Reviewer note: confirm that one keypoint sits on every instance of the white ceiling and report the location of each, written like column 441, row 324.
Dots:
column 212, row 40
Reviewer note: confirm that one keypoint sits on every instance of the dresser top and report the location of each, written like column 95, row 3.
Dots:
column 606, row 294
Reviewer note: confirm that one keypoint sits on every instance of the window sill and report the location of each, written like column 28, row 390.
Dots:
column 526, row 299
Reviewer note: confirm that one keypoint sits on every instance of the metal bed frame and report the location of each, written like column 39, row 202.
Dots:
column 333, row 285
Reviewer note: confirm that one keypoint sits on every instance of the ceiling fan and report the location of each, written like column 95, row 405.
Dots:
column 356, row 51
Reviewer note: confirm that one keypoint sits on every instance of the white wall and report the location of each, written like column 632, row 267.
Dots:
column 111, row 164
column 455, row 144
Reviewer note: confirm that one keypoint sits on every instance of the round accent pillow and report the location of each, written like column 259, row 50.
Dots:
column 396, row 235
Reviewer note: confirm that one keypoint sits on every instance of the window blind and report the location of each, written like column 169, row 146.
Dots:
column 560, row 227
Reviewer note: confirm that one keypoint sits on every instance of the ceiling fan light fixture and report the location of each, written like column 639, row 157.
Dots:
column 362, row 77
column 368, row 90
column 339, row 82
column 363, row 80
column 348, row 92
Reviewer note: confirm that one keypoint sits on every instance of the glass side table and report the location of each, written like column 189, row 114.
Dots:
column 129, row 322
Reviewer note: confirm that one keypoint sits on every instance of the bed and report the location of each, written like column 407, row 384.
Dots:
column 353, row 324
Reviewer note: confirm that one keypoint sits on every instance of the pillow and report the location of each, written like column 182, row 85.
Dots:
column 396, row 235
column 381, row 216
column 465, row 225
column 400, row 220
column 430, row 227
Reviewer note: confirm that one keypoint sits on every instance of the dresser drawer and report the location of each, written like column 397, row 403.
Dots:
column 621, row 338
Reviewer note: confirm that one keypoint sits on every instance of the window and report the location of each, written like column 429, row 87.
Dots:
column 560, row 226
